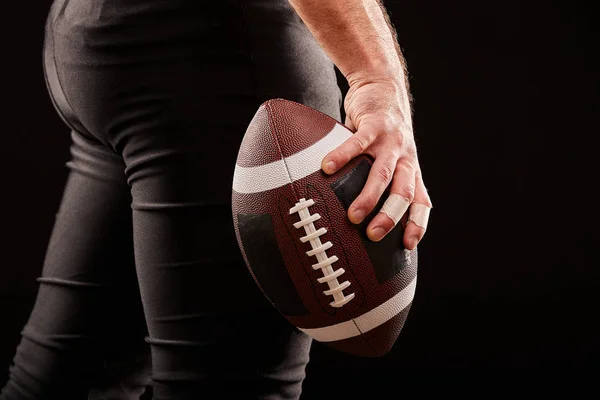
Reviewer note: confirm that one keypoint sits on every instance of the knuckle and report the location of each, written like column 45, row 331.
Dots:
column 411, row 152
column 406, row 166
column 426, row 200
column 396, row 144
column 399, row 141
column 385, row 173
column 395, row 150
column 407, row 190
column 389, row 124
column 421, row 193
column 395, row 136
column 361, row 142
column 342, row 154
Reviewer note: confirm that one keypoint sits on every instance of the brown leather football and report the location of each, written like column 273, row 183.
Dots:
column 316, row 267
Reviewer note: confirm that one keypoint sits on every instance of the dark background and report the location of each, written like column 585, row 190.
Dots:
column 506, row 111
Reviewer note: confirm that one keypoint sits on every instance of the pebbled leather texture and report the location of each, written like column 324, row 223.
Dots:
column 258, row 136
column 289, row 127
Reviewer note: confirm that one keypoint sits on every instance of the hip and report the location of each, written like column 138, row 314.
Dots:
column 261, row 44
column 217, row 59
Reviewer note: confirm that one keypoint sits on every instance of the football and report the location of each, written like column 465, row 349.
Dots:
column 316, row 267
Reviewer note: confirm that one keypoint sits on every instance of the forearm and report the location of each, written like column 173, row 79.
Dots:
column 357, row 36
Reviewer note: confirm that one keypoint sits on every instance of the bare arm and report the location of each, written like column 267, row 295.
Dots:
column 360, row 40
column 357, row 35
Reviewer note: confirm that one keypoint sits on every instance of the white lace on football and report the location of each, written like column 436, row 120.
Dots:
column 330, row 276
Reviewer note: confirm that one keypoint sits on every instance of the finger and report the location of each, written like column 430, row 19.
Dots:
column 418, row 215
column 352, row 147
column 401, row 195
column 379, row 178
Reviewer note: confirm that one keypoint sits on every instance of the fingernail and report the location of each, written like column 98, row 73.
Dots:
column 358, row 215
column 413, row 241
column 377, row 233
column 330, row 167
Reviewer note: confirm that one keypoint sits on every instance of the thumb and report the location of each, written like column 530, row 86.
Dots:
column 349, row 124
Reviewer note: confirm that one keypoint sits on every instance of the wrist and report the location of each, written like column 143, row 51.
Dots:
column 376, row 67
column 393, row 76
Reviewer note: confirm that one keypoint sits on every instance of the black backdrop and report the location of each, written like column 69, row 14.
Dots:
column 506, row 109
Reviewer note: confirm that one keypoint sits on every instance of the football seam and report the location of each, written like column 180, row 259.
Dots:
column 364, row 338
column 281, row 100
column 274, row 129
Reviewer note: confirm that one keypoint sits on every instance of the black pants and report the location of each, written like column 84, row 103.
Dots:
column 158, row 95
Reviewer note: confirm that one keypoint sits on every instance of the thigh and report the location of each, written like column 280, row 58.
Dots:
column 87, row 304
column 176, row 115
